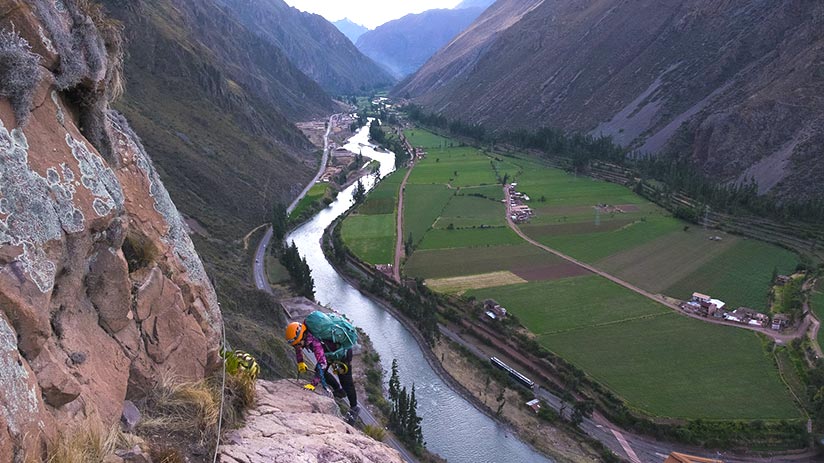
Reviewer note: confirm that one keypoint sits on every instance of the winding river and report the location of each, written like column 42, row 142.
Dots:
column 452, row 427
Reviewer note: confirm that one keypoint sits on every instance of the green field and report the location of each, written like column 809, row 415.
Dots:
column 740, row 276
column 383, row 199
column 371, row 237
column 458, row 167
column 672, row 366
column 370, row 232
column 443, row 263
column 570, row 303
column 420, row 137
column 493, row 192
column 590, row 247
column 665, row 261
column 468, row 238
column 315, row 193
column 422, row 206
column 660, row 362
column 472, row 211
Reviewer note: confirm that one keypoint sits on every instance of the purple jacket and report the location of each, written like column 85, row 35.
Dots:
column 316, row 346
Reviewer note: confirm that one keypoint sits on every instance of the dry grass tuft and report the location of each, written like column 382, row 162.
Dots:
column 177, row 406
column 193, row 408
column 90, row 443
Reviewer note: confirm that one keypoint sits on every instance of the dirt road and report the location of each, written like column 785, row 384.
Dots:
column 396, row 269
column 782, row 338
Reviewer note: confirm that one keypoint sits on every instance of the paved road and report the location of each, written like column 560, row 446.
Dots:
column 396, row 271
column 259, row 266
column 781, row 338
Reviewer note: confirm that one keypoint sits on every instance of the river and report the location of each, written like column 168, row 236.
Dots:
column 452, row 427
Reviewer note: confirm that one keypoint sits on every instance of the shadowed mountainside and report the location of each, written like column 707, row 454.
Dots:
column 213, row 104
column 313, row 44
column 404, row 44
column 734, row 87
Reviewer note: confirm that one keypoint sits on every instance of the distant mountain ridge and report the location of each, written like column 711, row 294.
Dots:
column 474, row 4
column 350, row 29
column 313, row 44
column 735, row 88
column 403, row 45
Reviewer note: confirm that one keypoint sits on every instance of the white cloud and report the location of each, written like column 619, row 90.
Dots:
column 370, row 13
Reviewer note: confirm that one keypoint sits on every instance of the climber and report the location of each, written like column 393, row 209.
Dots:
column 331, row 340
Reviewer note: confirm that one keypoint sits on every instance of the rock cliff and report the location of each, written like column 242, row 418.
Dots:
column 292, row 425
column 101, row 290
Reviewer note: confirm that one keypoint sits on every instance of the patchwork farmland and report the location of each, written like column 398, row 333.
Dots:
column 370, row 231
column 640, row 349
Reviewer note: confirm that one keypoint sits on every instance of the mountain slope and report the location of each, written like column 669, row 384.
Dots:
column 458, row 57
column 313, row 44
column 350, row 29
column 213, row 104
column 734, row 87
column 404, row 44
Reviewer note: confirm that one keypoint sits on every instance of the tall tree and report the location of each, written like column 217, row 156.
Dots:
column 280, row 220
column 360, row 193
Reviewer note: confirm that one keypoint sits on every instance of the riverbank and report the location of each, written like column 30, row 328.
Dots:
column 464, row 379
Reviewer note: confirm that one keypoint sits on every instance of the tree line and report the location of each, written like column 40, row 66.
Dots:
column 404, row 420
column 298, row 269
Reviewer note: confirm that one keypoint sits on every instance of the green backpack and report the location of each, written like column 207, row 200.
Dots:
column 332, row 327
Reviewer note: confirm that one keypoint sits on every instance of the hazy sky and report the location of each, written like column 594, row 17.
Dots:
column 370, row 13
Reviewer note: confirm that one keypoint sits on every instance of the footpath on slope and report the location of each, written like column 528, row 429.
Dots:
column 778, row 337
column 290, row 424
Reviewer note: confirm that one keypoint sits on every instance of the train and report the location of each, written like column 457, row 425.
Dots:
column 514, row 374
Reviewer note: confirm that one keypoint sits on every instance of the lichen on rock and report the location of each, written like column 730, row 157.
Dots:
column 72, row 348
column 15, row 382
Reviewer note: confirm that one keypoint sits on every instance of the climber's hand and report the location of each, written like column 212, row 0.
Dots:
column 302, row 368
column 309, row 387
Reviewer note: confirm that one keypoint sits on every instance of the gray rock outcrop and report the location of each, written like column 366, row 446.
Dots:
column 292, row 425
column 101, row 290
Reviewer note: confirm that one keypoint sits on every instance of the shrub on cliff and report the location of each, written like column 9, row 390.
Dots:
column 19, row 73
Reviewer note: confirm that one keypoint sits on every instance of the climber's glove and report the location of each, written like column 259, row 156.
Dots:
column 302, row 368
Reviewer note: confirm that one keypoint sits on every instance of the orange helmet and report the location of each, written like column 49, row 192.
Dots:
column 295, row 332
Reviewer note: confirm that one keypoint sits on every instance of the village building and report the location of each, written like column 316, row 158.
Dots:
column 698, row 297
column 535, row 405
column 494, row 310
column 747, row 316
column 780, row 321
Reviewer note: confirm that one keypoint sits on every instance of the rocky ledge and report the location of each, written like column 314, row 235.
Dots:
column 292, row 425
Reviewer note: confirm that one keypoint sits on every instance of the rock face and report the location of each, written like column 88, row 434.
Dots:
column 732, row 86
column 101, row 290
column 292, row 425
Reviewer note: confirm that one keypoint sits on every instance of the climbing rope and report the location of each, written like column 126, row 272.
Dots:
column 222, row 389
